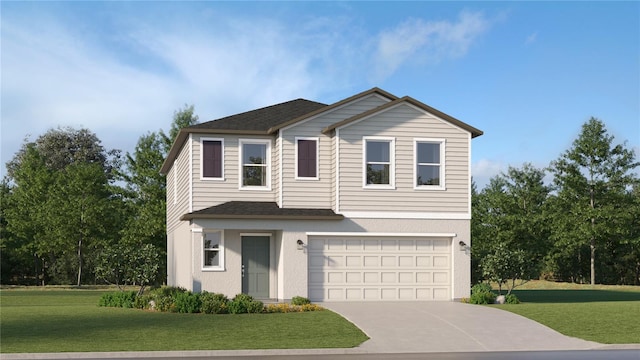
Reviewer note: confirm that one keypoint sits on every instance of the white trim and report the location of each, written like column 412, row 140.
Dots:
column 280, row 171
column 197, row 230
column 370, row 234
column 440, row 141
column 221, row 250
column 268, row 155
column 392, row 162
column 337, row 155
column 469, row 169
column 405, row 215
column 175, row 170
column 190, row 172
column 202, row 177
column 317, row 140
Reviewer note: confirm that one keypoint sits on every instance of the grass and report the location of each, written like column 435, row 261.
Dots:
column 600, row 313
column 70, row 320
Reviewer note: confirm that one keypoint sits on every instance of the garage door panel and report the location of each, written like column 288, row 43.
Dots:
column 342, row 269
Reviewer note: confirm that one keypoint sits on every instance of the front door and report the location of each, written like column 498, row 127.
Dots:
column 255, row 266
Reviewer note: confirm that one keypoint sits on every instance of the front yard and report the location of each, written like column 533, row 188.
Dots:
column 600, row 313
column 70, row 320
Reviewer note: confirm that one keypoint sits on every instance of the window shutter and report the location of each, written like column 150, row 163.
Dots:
column 212, row 159
column 307, row 158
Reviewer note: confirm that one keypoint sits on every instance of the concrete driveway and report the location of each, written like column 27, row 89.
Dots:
column 401, row 327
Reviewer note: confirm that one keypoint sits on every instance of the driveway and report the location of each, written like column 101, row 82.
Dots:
column 402, row 327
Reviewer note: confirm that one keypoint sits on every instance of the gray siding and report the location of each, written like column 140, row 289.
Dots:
column 317, row 193
column 207, row 193
column 404, row 123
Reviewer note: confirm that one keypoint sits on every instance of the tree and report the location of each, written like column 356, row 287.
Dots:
column 59, row 187
column 146, row 187
column 591, row 180
column 509, row 225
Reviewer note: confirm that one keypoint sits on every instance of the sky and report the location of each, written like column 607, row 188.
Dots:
column 528, row 74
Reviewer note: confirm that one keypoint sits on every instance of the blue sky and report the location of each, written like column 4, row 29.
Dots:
column 528, row 74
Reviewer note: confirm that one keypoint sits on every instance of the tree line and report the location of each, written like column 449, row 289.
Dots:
column 583, row 226
column 73, row 212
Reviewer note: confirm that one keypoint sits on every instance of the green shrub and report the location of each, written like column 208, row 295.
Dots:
column 512, row 299
column 142, row 302
column 243, row 303
column 299, row 300
column 213, row 303
column 482, row 298
column 482, row 294
column 187, row 302
column 480, row 288
column 123, row 299
column 164, row 298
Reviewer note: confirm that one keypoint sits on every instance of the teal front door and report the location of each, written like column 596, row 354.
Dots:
column 255, row 266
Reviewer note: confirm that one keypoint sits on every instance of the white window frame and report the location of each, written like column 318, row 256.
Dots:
column 442, row 143
column 221, row 251
column 202, row 140
column 392, row 162
column 317, row 140
column 267, row 143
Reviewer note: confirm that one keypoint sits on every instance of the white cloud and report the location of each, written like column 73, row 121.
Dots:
column 431, row 41
column 484, row 169
column 531, row 38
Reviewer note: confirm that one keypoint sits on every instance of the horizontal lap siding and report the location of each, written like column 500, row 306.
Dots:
column 180, row 169
column 317, row 193
column 207, row 193
column 404, row 123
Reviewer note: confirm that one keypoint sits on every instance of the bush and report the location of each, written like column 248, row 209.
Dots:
column 512, row 299
column 164, row 298
column 187, row 303
column 287, row 308
column 243, row 303
column 299, row 300
column 482, row 294
column 213, row 303
column 123, row 299
column 143, row 302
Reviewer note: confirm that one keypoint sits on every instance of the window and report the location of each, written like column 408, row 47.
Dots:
column 379, row 162
column 255, row 163
column 212, row 250
column 429, row 157
column 212, row 158
column 307, row 158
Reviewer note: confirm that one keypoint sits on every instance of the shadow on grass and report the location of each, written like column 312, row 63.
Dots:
column 575, row 296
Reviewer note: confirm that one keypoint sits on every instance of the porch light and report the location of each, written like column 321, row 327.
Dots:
column 463, row 245
column 300, row 244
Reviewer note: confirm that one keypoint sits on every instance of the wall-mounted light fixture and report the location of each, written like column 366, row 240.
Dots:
column 463, row 245
column 300, row 244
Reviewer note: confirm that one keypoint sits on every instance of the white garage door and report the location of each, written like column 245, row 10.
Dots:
column 379, row 268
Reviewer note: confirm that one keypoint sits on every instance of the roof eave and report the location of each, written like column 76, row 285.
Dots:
column 260, row 217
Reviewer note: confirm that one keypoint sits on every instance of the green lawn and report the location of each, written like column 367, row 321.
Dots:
column 70, row 320
column 604, row 314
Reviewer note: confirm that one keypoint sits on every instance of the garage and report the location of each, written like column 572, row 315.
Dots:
column 379, row 268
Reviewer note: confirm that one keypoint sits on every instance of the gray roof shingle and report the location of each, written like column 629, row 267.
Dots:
column 260, row 210
column 264, row 118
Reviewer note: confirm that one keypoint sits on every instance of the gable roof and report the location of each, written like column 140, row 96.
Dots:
column 268, row 120
column 409, row 100
column 260, row 210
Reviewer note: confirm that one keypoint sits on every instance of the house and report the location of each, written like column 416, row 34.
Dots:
column 364, row 199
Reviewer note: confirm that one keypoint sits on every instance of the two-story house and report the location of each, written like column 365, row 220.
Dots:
column 365, row 199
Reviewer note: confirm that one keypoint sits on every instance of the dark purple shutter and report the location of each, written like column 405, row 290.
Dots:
column 307, row 158
column 212, row 159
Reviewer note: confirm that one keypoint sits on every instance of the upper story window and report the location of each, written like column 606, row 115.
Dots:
column 255, row 164
column 307, row 158
column 212, row 250
column 379, row 162
column 212, row 159
column 429, row 163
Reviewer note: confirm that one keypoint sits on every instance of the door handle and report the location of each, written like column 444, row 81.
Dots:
column 242, row 270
